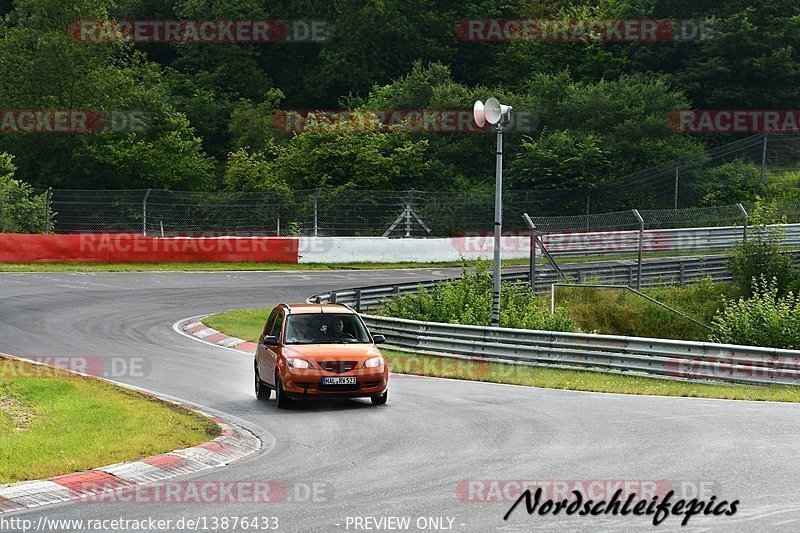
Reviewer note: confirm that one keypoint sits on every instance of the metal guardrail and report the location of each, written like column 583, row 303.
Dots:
column 670, row 359
column 655, row 272
column 661, row 358
column 710, row 239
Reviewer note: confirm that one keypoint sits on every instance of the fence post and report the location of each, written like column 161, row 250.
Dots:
column 409, row 200
column 745, row 216
column 764, row 158
column 677, row 174
column 641, row 245
column 552, row 298
column 316, row 206
column 144, row 213
column 279, row 227
column 47, row 196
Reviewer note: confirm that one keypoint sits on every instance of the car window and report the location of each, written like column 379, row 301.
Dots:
column 325, row 328
column 270, row 322
column 275, row 328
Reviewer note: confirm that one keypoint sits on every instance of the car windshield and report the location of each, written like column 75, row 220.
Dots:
column 325, row 329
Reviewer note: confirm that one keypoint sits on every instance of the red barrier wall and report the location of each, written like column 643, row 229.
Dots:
column 132, row 248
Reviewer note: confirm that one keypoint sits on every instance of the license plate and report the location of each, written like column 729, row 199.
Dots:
column 339, row 381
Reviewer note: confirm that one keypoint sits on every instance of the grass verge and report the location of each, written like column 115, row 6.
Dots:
column 215, row 267
column 53, row 422
column 247, row 324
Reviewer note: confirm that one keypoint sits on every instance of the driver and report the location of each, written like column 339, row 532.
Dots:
column 337, row 329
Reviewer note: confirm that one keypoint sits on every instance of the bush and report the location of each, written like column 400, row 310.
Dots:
column 765, row 319
column 469, row 301
column 761, row 256
column 21, row 211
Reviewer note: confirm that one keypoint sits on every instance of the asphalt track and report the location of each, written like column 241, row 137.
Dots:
column 408, row 457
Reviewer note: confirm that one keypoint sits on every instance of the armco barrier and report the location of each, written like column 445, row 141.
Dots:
column 661, row 358
column 131, row 248
column 670, row 359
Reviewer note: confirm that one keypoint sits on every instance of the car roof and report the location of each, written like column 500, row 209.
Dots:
column 308, row 309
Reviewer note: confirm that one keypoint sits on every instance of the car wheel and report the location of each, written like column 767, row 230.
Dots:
column 380, row 400
column 282, row 401
column 263, row 392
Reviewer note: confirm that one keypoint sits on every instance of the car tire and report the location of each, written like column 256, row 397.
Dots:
column 380, row 400
column 282, row 400
column 263, row 392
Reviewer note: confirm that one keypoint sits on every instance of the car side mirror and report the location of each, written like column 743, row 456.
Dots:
column 269, row 340
column 378, row 338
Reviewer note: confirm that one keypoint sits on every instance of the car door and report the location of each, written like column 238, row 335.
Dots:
column 271, row 353
column 262, row 354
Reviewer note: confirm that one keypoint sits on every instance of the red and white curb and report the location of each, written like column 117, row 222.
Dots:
column 234, row 443
column 194, row 327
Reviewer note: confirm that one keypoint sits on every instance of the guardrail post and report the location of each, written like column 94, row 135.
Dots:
column 746, row 217
column 144, row 213
column 395, row 289
column 358, row 300
column 552, row 298
column 332, row 298
column 641, row 245
column 681, row 274
column 47, row 196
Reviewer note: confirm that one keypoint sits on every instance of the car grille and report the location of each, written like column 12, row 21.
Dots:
column 338, row 367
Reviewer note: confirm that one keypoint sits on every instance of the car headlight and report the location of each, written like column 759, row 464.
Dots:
column 298, row 363
column 375, row 362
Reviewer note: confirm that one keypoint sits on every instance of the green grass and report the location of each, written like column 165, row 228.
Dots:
column 245, row 324
column 363, row 265
column 614, row 312
column 248, row 324
column 52, row 423
column 206, row 267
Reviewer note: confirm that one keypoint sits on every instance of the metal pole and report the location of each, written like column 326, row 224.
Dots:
column 316, row 206
column 677, row 173
column 764, row 159
column 641, row 244
column 47, row 196
column 532, row 269
column 746, row 217
column 498, row 227
column 408, row 213
column 552, row 298
column 144, row 213
column 279, row 226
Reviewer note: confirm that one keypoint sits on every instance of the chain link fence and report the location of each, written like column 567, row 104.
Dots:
column 657, row 192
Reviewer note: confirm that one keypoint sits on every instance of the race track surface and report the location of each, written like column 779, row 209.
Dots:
column 409, row 457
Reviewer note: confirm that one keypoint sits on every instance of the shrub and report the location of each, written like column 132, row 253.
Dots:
column 761, row 255
column 21, row 211
column 469, row 301
column 764, row 319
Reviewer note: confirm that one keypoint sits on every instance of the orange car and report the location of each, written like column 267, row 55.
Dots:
column 319, row 351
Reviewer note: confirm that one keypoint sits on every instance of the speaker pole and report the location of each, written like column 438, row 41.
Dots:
column 498, row 227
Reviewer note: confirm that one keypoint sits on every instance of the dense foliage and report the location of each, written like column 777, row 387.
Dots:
column 21, row 211
column 468, row 300
column 764, row 319
column 601, row 108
